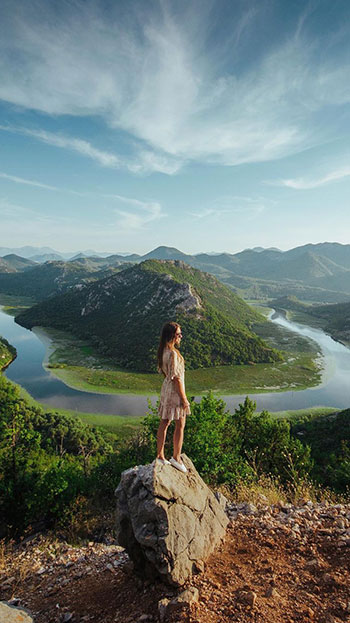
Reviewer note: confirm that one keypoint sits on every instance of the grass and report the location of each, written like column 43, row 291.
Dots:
column 296, row 414
column 268, row 490
column 297, row 372
column 76, row 363
column 122, row 426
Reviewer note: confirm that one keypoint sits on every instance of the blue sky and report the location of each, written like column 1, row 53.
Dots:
column 205, row 125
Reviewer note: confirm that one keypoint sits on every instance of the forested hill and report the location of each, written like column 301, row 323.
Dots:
column 123, row 315
column 54, row 277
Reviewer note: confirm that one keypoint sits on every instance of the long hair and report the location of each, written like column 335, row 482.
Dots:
column 167, row 335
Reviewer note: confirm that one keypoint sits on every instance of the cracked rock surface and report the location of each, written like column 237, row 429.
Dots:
column 167, row 521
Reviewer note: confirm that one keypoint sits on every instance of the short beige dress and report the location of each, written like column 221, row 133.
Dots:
column 170, row 407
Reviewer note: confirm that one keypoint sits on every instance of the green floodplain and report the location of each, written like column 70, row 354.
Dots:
column 77, row 364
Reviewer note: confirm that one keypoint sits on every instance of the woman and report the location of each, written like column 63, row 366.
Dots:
column 173, row 402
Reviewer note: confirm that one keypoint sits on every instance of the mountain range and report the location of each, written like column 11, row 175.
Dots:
column 313, row 272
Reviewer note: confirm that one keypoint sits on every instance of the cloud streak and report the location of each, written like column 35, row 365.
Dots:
column 78, row 145
column 246, row 207
column 19, row 222
column 138, row 214
column 144, row 161
column 21, row 180
column 142, row 213
column 302, row 183
column 157, row 76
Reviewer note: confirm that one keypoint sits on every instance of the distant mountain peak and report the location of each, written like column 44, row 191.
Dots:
column 165, row 253
column 260, row 249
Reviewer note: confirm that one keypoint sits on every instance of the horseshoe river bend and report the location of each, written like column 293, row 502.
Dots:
column 28, row 370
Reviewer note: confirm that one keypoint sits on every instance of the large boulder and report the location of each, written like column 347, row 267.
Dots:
column 168, row 521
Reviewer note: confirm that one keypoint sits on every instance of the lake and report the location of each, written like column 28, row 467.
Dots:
column 28, row 371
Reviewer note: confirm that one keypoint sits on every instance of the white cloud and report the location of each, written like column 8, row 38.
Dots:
column 144, row 161
column 21, row 180
column 153, row 75
column 302, row 183
column 83, row 147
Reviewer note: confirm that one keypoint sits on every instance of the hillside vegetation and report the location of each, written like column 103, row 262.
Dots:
column 53, row 277
column 55, row 470
column 334, row 319
column 7, row 353
column 123, row 314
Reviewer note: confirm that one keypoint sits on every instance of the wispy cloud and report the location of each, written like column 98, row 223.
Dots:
column 83, row 147
column 105, row 228
column 246, row 207
column 157, row 77
column 134, row 215
column 141, row 213
column 21, row 180
column 144, row 161
column 303, row 183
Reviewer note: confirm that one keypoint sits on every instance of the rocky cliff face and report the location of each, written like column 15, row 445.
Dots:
column 163, row 289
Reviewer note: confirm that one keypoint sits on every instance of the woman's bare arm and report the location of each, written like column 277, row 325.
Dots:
column 180, row 390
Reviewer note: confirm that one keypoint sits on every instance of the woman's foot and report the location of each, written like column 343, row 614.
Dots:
column 178, row 465
column 163, row 460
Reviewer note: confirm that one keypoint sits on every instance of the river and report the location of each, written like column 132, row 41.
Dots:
column 28, row 371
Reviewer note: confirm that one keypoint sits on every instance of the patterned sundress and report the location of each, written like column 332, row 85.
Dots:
column 170, row 407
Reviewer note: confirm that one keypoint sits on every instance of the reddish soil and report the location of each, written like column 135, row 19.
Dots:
column 94, row 584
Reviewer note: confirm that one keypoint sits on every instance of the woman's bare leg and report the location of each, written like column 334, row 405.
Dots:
column 178, row 438
column 161, row 435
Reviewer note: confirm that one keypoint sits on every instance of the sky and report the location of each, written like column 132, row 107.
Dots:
column 206, row 125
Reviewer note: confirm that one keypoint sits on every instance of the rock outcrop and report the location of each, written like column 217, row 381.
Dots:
column 167, row 521
column 11, row 614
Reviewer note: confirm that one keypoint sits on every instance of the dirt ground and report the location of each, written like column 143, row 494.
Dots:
column 258, row 574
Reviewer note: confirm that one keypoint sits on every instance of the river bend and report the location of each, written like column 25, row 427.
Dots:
column 28, row 371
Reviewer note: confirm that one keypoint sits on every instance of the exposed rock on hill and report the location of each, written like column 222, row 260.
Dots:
column 11, row 614
column 123, row 315
column 169, row 522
